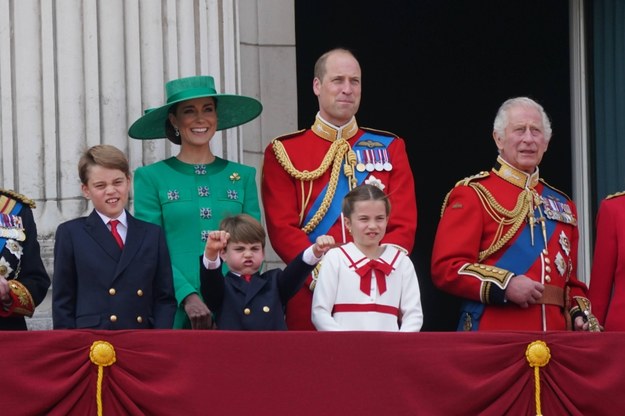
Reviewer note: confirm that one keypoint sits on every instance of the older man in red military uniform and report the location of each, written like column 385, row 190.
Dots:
column 307, row 173
column 507, row 241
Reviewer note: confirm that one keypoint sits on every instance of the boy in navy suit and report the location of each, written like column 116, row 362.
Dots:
column 245, row 299
column 111, row 270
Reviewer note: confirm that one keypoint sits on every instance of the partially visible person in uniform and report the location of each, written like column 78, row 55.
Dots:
column 24, row 281
column 246, row 299
column 365, row 285
column 307, row 173
column 507, row 241
column 607, row 276
column 111, row 270
column 190, row 193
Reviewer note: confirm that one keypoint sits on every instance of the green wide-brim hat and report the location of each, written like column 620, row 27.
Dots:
column 232, row 110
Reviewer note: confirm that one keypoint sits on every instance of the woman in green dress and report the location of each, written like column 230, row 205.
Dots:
column 190, row 193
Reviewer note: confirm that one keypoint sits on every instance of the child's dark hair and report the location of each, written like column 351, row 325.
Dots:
column 243, row 228
column 104, row 155
column 364, row 193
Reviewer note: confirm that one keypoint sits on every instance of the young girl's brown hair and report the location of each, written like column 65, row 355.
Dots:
column 364, row 193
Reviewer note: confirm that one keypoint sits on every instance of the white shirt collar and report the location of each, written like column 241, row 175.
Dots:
column 123, row 219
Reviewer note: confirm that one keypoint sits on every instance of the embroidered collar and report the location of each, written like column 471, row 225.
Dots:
column 331, row 133
column 515, row 176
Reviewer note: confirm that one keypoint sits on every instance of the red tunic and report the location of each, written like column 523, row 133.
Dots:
column 467, row 228
column 606, row 290
column 283, row 197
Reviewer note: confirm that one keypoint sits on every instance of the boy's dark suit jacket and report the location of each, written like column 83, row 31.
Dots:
column 97, row 285
column 254, row 306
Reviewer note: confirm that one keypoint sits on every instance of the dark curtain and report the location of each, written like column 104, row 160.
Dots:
column 608, row 34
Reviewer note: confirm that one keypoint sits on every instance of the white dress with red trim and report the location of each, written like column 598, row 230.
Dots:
column 354, row 293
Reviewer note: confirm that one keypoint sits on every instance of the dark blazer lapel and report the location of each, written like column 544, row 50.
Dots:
column 134, row 238
column 95, row 227
column 237, row 282
column 255, row 285
column 249, row 289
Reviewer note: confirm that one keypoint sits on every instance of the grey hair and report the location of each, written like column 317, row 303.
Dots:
column 501, row 120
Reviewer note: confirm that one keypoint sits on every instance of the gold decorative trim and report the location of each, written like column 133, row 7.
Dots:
column 468, row 179
column 25, row 303
column 19, row 197
column 340, row 154
column 616, row 194
column 585, row 307
column 537, row 355
column 487, row 273
column 332, row 133
column 515, row 176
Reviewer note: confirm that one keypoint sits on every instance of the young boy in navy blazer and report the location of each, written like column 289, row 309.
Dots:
column 110, row 274
column 246, row 299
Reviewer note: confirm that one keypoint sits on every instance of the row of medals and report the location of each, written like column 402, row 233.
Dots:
column 11, row 227
column 372, row 163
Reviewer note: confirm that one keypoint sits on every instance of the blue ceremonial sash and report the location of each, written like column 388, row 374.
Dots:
column 342, row 188
column 518, row 258
column 14, row 211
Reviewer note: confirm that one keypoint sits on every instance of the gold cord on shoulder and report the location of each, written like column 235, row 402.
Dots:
column 339, row 150
column 514, row 218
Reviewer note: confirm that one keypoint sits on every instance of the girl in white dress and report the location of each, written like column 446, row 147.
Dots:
column 365, row 285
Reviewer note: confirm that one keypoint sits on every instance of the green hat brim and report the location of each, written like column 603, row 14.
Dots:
column 232, row 111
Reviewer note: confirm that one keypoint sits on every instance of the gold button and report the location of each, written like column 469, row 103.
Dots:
column 548, row 269
column 112, row 291
column 547, row 278
column 545, row 251
column 113, row 318
column 247, row 311
column 139, row 319
column 139, row 292
column 547, row 260
column 266, row 309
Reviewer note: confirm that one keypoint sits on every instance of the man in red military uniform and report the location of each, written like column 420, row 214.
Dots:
column 306, row 174
column 24, row 281
column 608, row 274
column 507, row 241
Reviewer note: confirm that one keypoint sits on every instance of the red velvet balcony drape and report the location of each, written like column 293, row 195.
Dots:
column 180, row 372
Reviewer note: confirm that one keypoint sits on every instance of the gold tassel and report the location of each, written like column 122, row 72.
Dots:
column 101, row 354
column 538, row 355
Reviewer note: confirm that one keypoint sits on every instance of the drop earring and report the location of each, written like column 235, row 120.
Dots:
column 176, row 131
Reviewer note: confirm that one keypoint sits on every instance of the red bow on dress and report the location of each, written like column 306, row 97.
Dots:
column 366, row 274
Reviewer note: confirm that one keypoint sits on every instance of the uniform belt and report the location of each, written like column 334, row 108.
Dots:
column 552, row 295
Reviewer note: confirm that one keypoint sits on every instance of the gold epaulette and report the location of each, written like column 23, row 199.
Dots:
column 382, row 132
column 289, row 135
column 614, row 195
column 465, row 181
column 554, row 188
column 15, row 195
